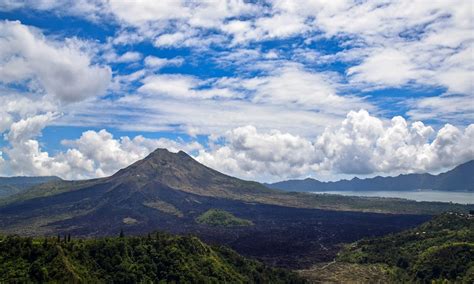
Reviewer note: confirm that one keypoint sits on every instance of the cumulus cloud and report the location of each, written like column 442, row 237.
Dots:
column 105, row 155
column 25, row 129
column 250, row 154
column 94, row 154
column 59, row 69
column 23, row 117
column 39, row 76
column 361, row 145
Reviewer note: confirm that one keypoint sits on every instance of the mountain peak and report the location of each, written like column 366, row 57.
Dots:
column 165, row 154
column 181, row 171
column 158, row 163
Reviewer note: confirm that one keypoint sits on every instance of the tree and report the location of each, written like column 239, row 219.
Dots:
column 121, row 233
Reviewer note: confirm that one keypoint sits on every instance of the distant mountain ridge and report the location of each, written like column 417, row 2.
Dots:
column 13, row 185
column 461, row 178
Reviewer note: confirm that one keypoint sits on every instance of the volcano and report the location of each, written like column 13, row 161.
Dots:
column 172, row 192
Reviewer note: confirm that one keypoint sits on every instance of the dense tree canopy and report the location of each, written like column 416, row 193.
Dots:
column 155, row 258
column 441, row 249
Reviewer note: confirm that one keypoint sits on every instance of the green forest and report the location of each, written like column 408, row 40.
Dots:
column 439, row 250
column 157, row 258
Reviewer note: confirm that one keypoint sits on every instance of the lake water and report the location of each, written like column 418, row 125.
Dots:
column 422, row 195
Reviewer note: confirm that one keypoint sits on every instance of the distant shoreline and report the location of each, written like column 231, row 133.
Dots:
column 428, row 195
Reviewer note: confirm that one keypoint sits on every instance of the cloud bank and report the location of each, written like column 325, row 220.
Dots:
column 360, row 145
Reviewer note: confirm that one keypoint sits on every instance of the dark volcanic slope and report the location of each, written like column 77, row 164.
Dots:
column 460, row 178
column 282, row 236
column 167, row 191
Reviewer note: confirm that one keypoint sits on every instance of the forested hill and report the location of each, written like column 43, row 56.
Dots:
column 156, row 258
column 439, row 250
column 461, row 178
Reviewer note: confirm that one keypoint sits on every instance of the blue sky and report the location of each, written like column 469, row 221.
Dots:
column 263, row 90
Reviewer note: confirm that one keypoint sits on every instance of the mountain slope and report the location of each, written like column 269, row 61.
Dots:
column 163, row 173
column 14, row 185
column 169, row 192
column 160, row 169
column 461, row 178
column 441, row 249
column 157, row 258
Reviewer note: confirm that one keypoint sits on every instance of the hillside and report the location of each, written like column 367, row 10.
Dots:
column 166, row 171
column 169, row 192
column 14, row 185
column 441, row 249
column 461, row 178
column 158, row 257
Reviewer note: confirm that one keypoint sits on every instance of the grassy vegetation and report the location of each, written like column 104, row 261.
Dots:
column 216, row 217
column 439, row 250
column 341, row 272
column 159, row 258
column 164, row 207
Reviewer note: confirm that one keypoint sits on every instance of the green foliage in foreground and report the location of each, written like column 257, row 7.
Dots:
column 439, row 250
column 216, row 217
column 159, row 258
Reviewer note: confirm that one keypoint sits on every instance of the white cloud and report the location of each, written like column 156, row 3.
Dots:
column 250, row 154
column 25, row 129
column 390, row 44
column 294, row 85
column 158, row 63
column 385, row 67
column 457, row 109
column 170, row 85
column 94, row 154
column 360, row 145
column 58, row 69
column 182, row 86
column 106, row 155
column 288, row 98
column 431, row 44
column 129, row 56
column 143, row 11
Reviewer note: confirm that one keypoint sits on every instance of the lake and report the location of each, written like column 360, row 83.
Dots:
column 421, row 195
